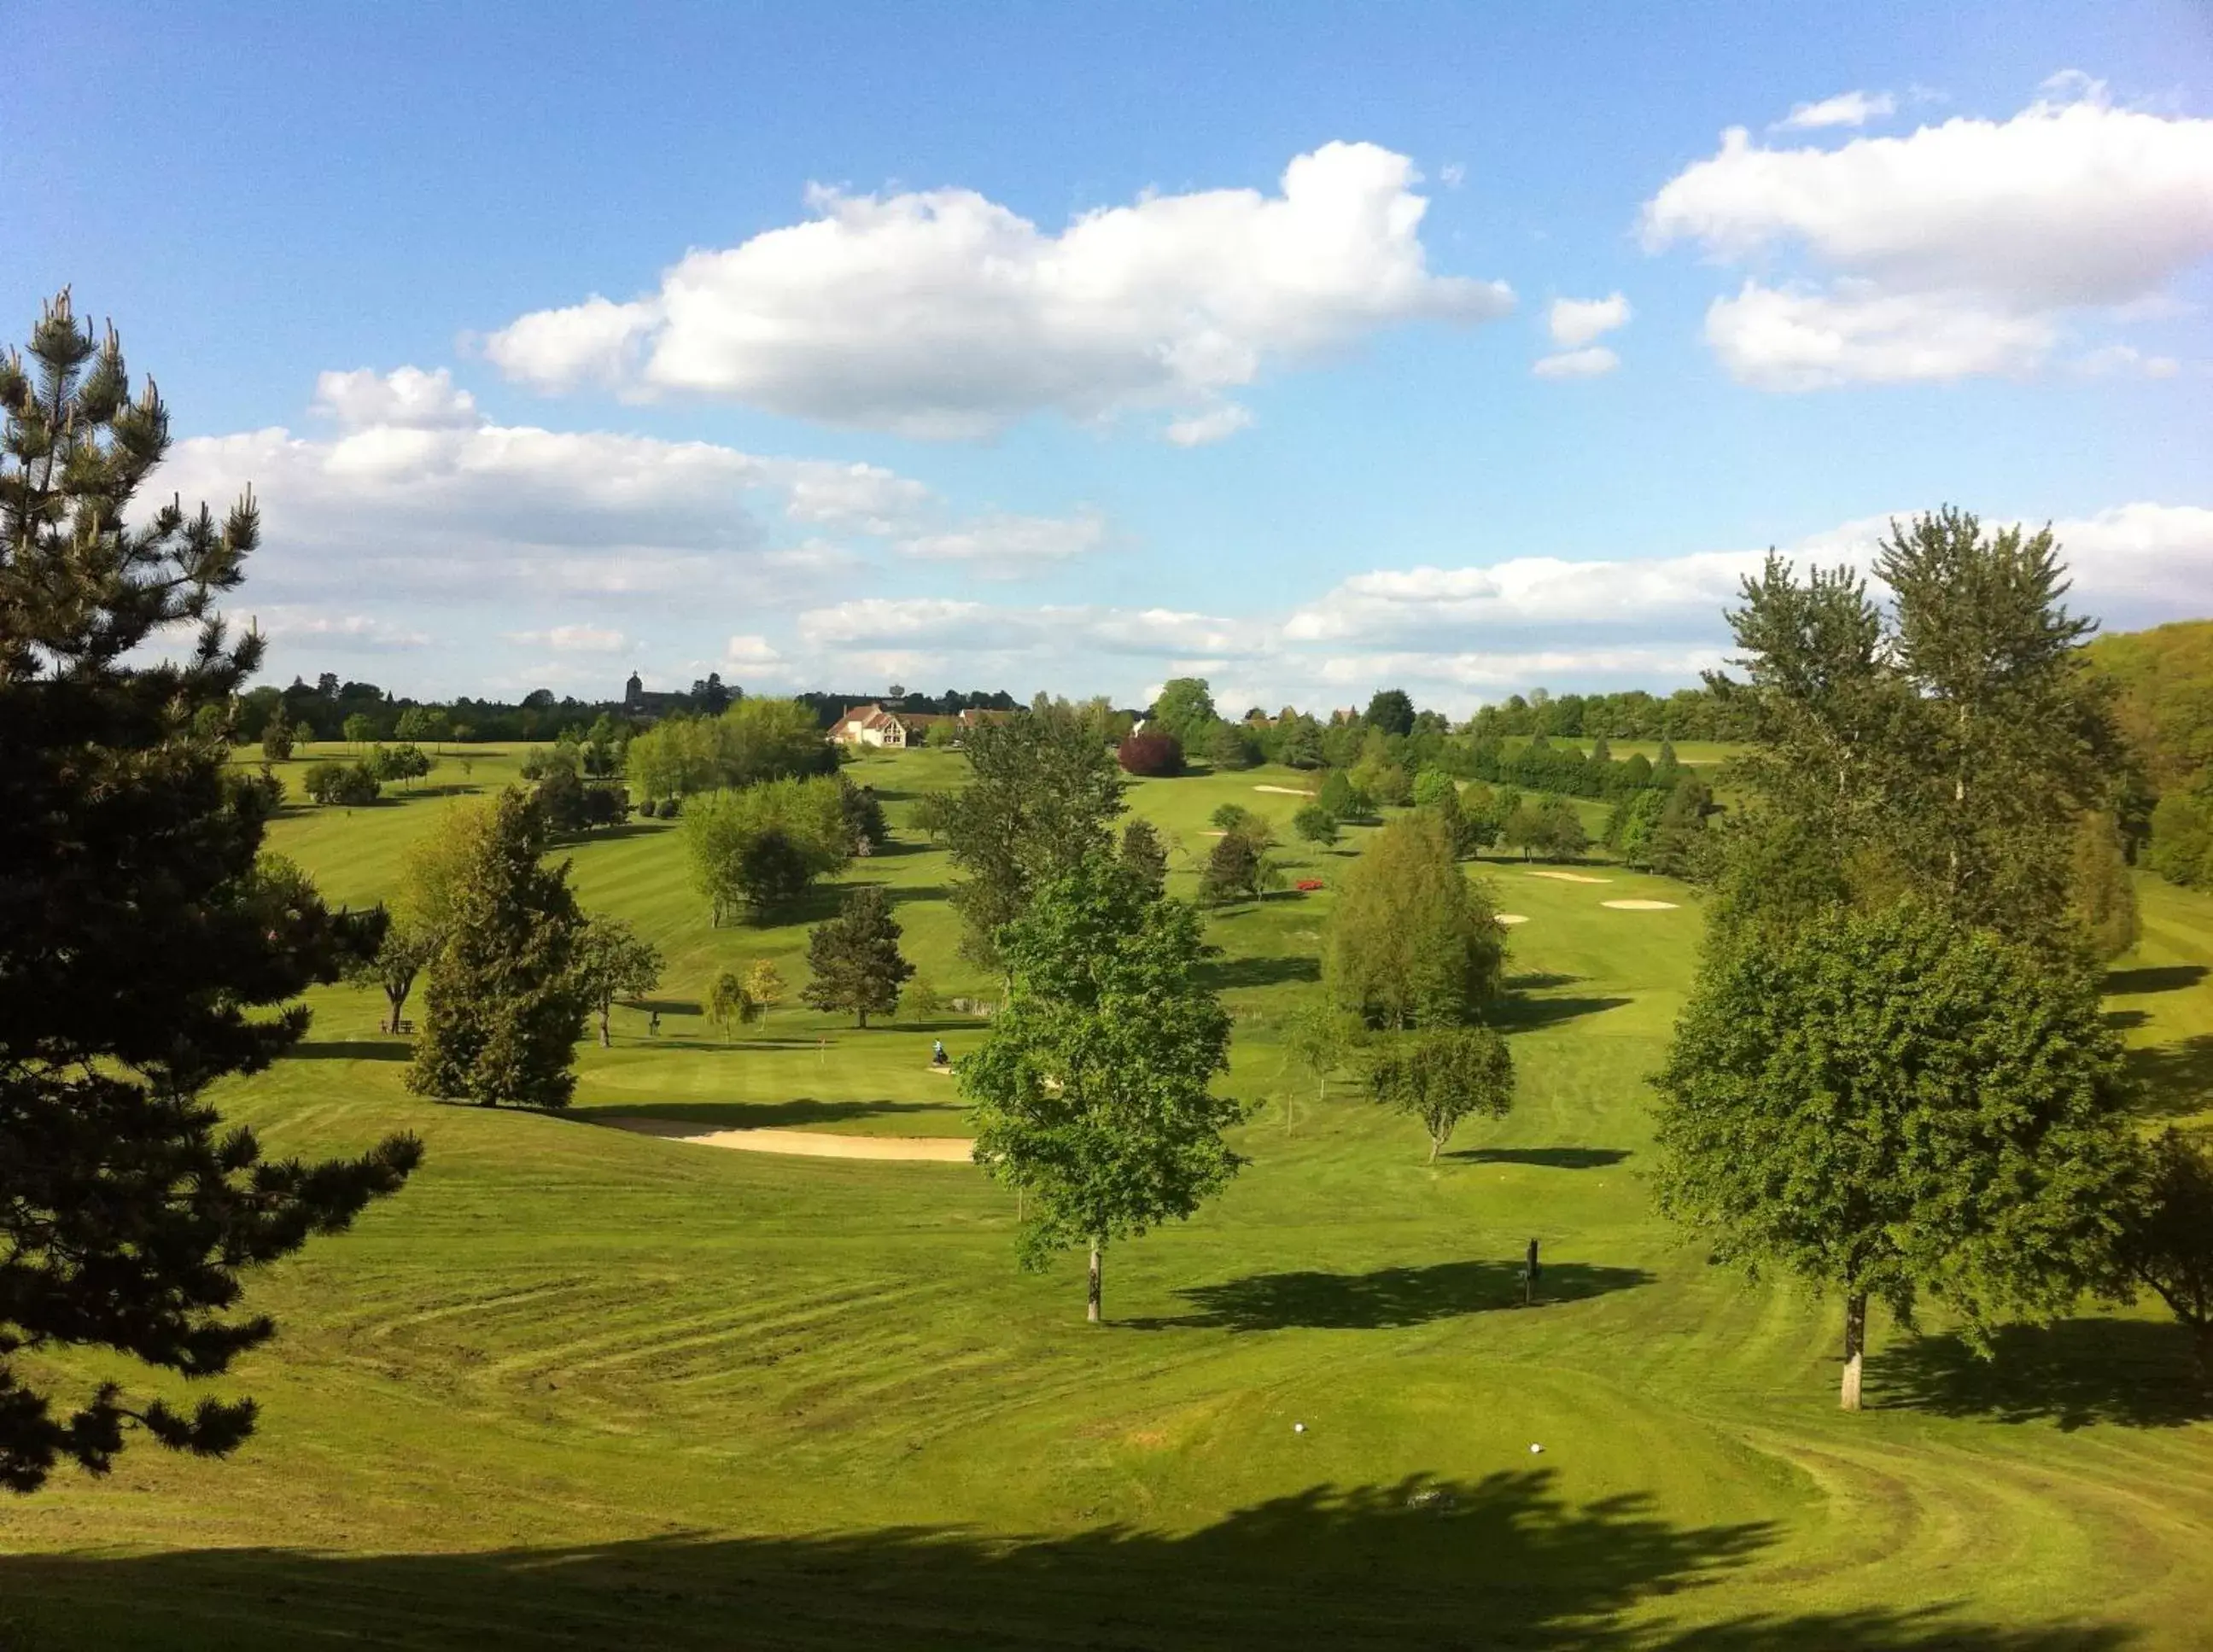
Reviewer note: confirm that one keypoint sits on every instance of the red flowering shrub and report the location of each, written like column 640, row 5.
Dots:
column 1151, row 755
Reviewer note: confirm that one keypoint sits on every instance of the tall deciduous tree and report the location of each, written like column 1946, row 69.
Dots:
column 764, row 988
column 1093, row 1095
column 855, row 959
column 1947, row 749
column 139, row 932
column 399, row 958
column 613, row 961
column 1184, row 709
column 1887, row 1105
column 1443, row 1076
column 1412, row 942
column 502, row 1001
column 727, row 1001
column 1043, row 794
column 1321, row 1039
column 1391, row 711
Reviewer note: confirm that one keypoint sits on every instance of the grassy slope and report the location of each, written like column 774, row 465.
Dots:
column 576, row 1388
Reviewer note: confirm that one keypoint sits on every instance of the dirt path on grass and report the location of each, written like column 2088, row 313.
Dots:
column 1640, row 905
column 810, row 1143
column 1570, row 877
column 1284, row 791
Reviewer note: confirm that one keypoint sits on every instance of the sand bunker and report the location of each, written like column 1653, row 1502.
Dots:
column 1570, row 877
column 811, row 1143
column 1511, row 918
column 1640, row 905
column 1284, row 791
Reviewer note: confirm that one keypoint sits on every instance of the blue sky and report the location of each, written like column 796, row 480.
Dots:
column 1034, row 346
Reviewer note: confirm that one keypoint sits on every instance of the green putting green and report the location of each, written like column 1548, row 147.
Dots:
column 580, row 1386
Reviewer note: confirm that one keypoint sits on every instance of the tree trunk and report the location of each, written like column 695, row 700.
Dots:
column 1436, row 1143
column 606, row 1038
column 1855, row 1349
column 1091, row 1302
column 863, row 1016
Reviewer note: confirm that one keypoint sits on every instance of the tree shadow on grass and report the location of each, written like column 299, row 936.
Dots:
column 392, row 1049
column 907, row 897
column 1223, row 974
column 892, row 847
column 2176, row 1078
column 2136, row 1373
column 1552, row 1158
column 682, row 1117
column 2160, row 978
column 1385, row 1299
column 1503, row 1561
column 1539, row 981
column 1519, row 1015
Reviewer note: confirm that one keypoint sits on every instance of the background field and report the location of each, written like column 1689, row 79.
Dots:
column 578, row 1387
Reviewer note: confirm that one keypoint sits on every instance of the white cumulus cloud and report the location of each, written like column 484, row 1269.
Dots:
column 1200, row 428
column 1001, row 546
column 1576, row 322
column 942, row 313
column 408, row 398
column 1576, row 363
column 1845, row 109
column 1959, row 249
column 403, row 503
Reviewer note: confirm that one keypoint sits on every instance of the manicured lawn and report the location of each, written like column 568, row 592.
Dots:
column 578, row 1387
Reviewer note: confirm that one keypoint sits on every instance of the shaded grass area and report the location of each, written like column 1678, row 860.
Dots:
column 1385, row 1297
column 2135, row 1373
column 1505, row 1558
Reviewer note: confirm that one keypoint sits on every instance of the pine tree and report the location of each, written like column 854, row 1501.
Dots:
column 140, row 928
column 1234, row 869
column 1144, row 854
column 856, row 958
column 504, row 1005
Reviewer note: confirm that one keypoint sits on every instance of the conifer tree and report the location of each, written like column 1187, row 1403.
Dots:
column 503, row 1003
column 856, row 958
column 139, row 931
column 1144, row 854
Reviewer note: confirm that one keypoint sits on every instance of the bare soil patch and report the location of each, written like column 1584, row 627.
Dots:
column 1284, row 791
column 810, row 1143
column 1570, row 877
column 1640, row 905
column 1511, row 918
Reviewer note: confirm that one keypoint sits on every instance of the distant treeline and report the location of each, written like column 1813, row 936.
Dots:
column 320, row 710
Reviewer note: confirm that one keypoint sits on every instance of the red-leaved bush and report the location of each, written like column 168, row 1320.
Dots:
column 1151, row 754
